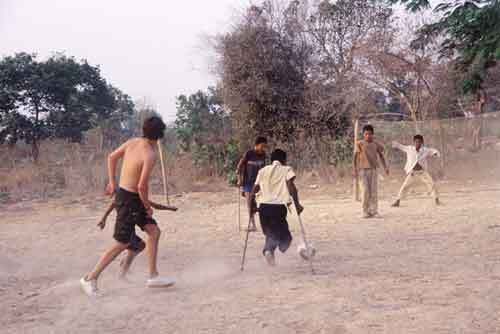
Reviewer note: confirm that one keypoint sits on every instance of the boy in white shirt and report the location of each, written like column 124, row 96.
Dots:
column 275, row 188
column 416, row 167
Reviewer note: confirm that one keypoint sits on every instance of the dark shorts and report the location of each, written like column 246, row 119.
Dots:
column 136, row 244
column 247, row 188
column 130, row 212
column 275, row 227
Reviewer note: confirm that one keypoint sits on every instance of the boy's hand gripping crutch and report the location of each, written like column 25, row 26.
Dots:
column 308, row 249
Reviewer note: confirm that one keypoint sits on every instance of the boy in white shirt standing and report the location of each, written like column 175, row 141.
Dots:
column 416, row 167
column 275, row 187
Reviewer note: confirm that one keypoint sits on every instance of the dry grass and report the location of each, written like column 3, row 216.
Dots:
column 77, row 169
column 80, row 169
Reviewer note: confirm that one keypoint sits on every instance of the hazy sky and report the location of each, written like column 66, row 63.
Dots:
column 148, row 48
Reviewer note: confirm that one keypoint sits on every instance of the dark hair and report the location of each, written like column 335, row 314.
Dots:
column 153, row 128
column 278, row 155
column 420, row 137
column 368, row 128
column 260, row 140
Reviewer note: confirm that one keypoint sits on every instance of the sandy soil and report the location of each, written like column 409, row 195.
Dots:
column 419, row 269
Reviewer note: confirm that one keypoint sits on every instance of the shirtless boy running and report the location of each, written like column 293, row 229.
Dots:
column 132, row 203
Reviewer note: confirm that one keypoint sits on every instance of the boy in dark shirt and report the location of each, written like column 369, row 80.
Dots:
column 248, row 168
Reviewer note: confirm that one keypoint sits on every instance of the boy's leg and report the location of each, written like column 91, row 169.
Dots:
column 126, row 263
column 373, row 193
column 270, row 245
column 284, row 232
column 431, row 185
column 153, row 233
column 135, row 247
column 253, row 227
column 365, row 188
column 105, row 260
column 403, row 188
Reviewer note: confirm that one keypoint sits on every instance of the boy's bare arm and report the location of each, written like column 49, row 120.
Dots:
column 158, row 206
column 292, row 189
column 382, row 158
column 239, row 169
column 102, row 222
column 113, row 159
column 399, row 146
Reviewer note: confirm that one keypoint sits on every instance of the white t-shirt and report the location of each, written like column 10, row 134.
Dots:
column 272, row 181
column 413, row 156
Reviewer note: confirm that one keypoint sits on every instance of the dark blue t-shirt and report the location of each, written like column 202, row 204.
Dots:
column 253, row 162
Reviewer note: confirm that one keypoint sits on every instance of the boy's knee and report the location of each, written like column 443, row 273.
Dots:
column 154, row 231
column 120, row 245
column 157, row 232
column 140, row 247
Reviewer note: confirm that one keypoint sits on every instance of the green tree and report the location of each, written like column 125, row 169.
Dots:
column 263, row 70
column 203, row 129
column 200, row 118
column 59, row 98
column 471, row 31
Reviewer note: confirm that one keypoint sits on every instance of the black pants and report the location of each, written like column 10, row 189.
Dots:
column 275, row 227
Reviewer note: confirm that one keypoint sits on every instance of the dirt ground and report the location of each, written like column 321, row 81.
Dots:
column 418, row 269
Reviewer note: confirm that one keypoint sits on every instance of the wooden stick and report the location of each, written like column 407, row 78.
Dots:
column 246, row 245
column 163, row 173
column 239, row 209
column 355, row 181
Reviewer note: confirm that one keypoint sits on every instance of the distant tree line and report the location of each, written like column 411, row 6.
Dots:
column 299, row 72
column 59, row 97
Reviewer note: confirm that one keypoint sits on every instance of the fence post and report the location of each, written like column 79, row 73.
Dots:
column 442, row 147
column 355, row 181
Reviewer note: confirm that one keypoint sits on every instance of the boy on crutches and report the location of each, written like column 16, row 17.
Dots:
column 248, row 167
column 274, row 186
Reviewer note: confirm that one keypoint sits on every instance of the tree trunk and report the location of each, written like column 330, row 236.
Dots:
column 35, row 150
column 442, row 148
column 355, row 181
column 101, row 138
column 477, row 122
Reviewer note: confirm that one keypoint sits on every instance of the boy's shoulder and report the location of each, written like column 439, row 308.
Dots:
column 249, row 153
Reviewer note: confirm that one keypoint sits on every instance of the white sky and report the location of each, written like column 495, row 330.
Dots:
column 148, row 49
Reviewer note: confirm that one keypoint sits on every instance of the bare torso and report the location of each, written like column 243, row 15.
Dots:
column 136, row 152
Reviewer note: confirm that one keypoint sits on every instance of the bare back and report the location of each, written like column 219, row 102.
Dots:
column 137, row 152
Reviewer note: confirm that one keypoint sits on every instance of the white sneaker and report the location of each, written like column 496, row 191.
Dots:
column 160, row 282
column 89, row 287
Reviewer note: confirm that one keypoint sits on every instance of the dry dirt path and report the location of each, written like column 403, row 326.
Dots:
column 419, row 269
